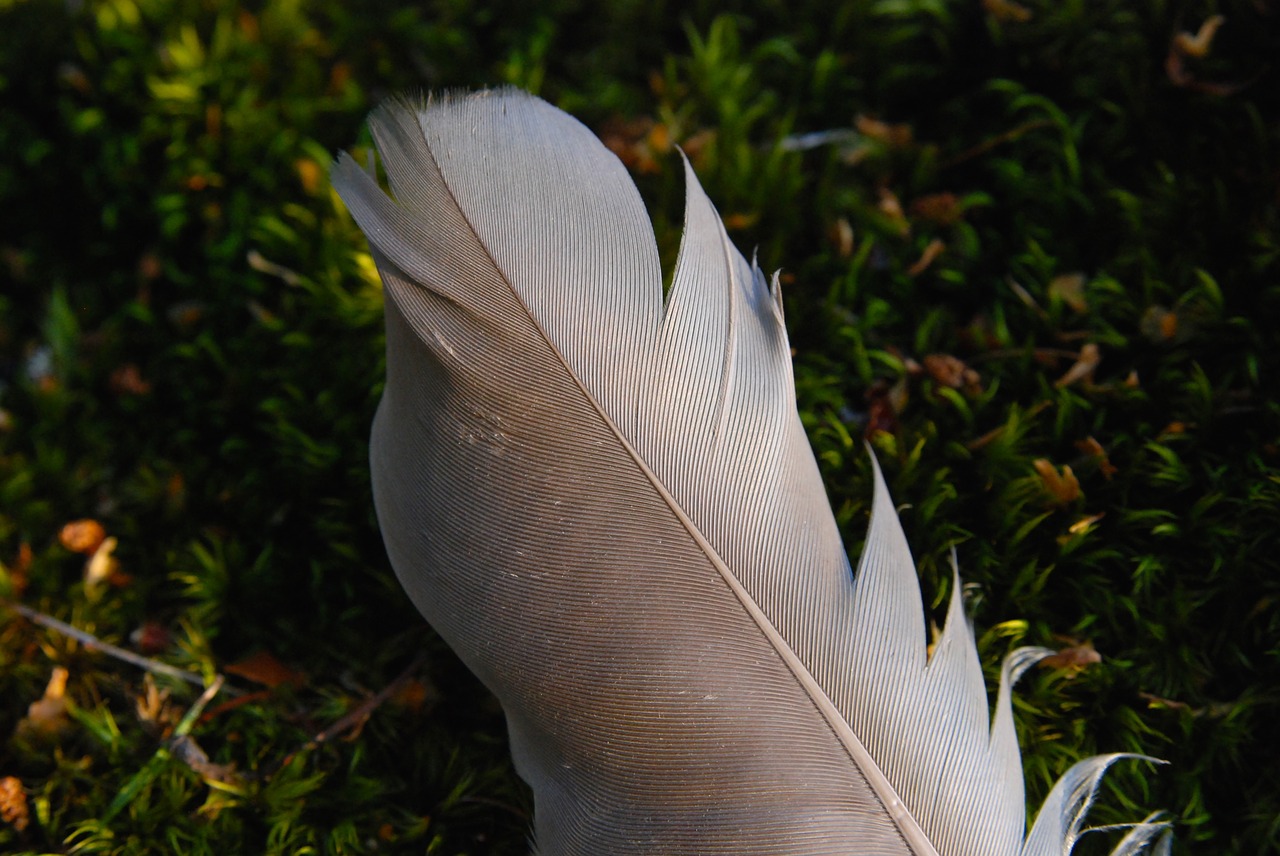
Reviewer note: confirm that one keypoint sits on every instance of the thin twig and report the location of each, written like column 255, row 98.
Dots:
column 95, row 644
column 370, row 704
column 991, row 142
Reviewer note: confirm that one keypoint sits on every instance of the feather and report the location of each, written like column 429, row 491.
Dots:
column 605, row 502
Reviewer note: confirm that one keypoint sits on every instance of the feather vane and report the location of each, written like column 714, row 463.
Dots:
column 606, row 503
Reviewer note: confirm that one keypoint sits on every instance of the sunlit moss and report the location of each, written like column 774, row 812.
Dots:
column 1015, row 240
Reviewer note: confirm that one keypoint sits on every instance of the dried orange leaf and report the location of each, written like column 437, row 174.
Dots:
column 952, row 372
column 842, row 237
column 18, row 570
column 1093, row 449
column 884, row 403
column 638, row 143
column 1159, row 324
column 263, row 668
column 152, row 707
column 82, row 536
column 696, row 143
column 895, row 136
column 1197, row 46
column 1063, row 488
column 1075, row 659
column 309, row 174
column 941, row 208
column 339, row 77
column 102, row 565
column 127, row 380
column 47, row 717
column 1086, row 362
column 935, row 248
column 659, row 138
column 416, row 694
column 740, row 220
column 13, row 803
column 1084, row 524
column 1069, row 288
column 892, row 208
column 1007, row 11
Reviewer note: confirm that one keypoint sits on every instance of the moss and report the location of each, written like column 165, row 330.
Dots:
column 1029, row 250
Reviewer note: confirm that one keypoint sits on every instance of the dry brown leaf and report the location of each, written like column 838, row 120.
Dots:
column 1093, row 449
column 1197, row 46
column 309, row 174
column 637, row 143
column 842, row 237
column 18, row 570
column 935, row 248
column 149, row 266
column 13, row 803
column 1159, row 324
column 1076, row 658
column 188, row 751
column 1086, row 362
column 1084, row 524
column 1006, row 11
column 213, row 121
column 416, row 695
column 102, row 566
column 152, row 706
column 263, row 668
column 82, row 536
column 128, row 380
column 1069, row 288
column 943, row 209
column 339, row 76
column 659, row 139
column 1185, row 48
column 151, row 638
column 952, row 372
column 696, row 143
column 47, row 717
column 1063, row 488
column 74, row 76
column 186, row 313
column 894, row 136
column 884, row 403
column 892, row 208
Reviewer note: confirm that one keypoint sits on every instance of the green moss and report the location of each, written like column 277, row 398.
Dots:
column 190, row 353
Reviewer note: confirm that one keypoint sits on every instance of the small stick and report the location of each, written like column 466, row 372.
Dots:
column 370, row 704
column 95, row 644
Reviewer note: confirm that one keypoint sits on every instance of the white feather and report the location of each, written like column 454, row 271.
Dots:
column 608, row 506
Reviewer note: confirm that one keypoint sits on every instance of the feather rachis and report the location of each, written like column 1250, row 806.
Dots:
column 635, row 550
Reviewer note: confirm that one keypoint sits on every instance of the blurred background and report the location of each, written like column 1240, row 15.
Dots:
column 1030, row 250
